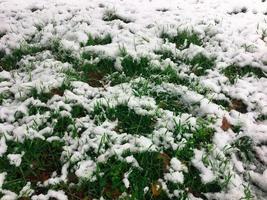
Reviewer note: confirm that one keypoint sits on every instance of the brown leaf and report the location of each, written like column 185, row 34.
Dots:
column 156, row 189
column 57, row 91
column 166, row 160
column 225, row 124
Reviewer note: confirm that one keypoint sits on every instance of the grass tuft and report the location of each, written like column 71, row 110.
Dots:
column 92, row 41
column 244, row 145
column 182, row 39
column 63, row 55
column 78, row 111
column 9, row 62
column 200, row 64
column 128, row 120
column 233, row 72
column 109, row 177
column 40, row 160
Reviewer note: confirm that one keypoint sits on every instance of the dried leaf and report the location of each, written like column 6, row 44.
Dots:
column 225, row 124
column 57, row 91
column 156, row 189
column 166, row 160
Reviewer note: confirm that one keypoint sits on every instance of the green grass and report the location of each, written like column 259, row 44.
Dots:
column 91, row 55
column 93, row 73
column 61, row 54
column 109, row 176
column 171, row 102
column 42, row 96
column 237, row 128
column 141, row 67
column 98, row 40
column 244, row 146
column 142, row 87
column 222, row 102
column 41, row 158
column 196, row 187
column 196, row 138
column 78, row 111
column 33, row 109
column 164, row 99
column 2, row 54
column 5, row 95
column 132, row 68
column 200, row 64
column 168, row 54
column 182, row 39
column 128, row 120
column 61, row 124
column 45, row 96
column 116, row 78
column 262, row 117
column 9, row 62
column 102, row 71
column 200, row 137
column 136, row 67
column 233, row 72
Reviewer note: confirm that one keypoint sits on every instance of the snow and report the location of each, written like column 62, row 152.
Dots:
column 222, row 139
column 15, row 159
column 3, row 146
column 60, row 195
column 262, row 153
column 2, row 178
column 86, row 169
column 206, row 173
column 175, row 174
column 125, row 180
column 259, row 179
column 175, row 177
column 26, row 190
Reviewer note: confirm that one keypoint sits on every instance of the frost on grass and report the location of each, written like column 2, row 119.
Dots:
column 133, row 101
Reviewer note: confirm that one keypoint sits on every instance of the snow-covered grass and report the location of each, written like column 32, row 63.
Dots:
column 133, row 99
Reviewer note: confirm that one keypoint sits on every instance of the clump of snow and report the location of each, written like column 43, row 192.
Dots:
column 26, row 191
column 60, row 195
column 259, row 179
column 2, row 178
column 3, row 146
column 206, row 173
column 176, row 169
column 15, row 159
column 86, row 168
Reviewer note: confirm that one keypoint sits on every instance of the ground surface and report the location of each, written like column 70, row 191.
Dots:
column 160, row 99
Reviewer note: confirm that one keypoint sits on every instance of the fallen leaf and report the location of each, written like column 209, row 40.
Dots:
column 57, row 91
column 166, row 160
column 156, row 189
column 225, row 124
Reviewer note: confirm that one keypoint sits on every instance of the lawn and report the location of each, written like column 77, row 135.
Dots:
column 133, row 100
